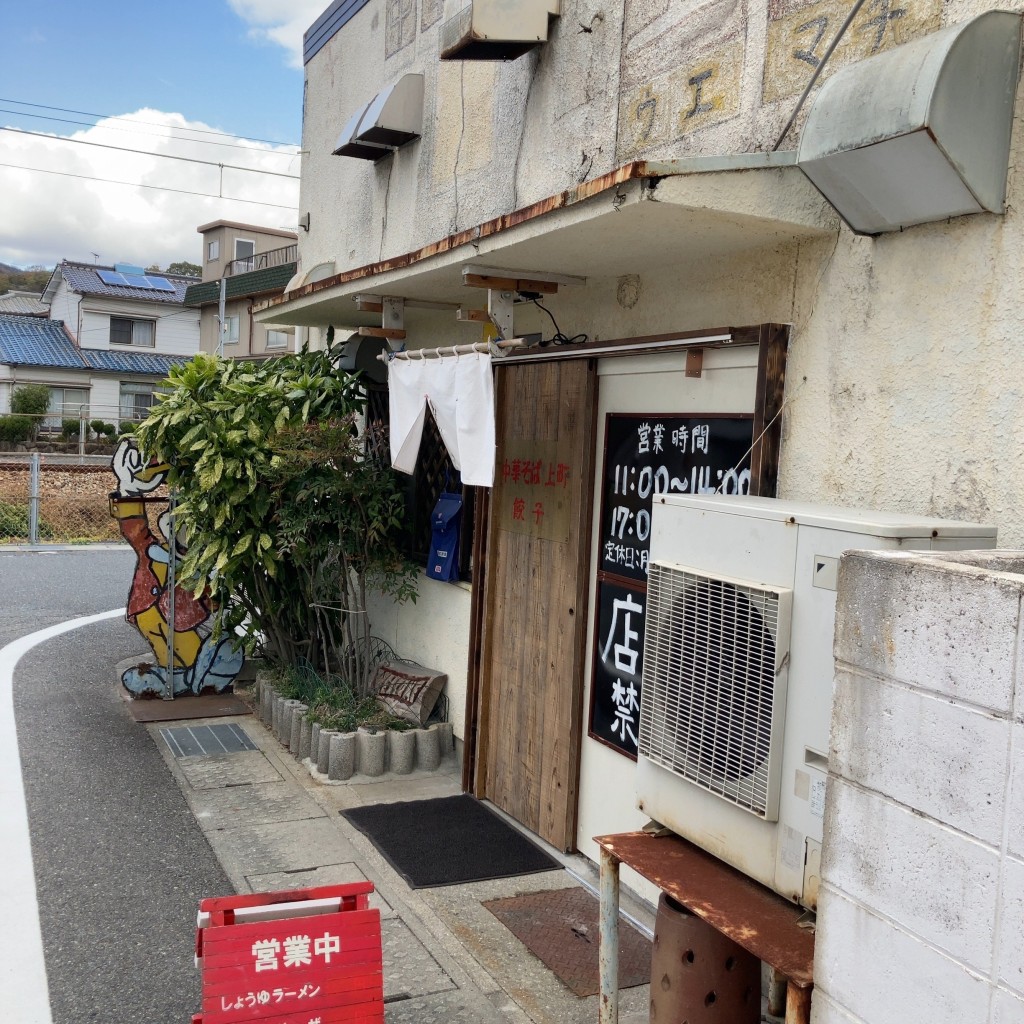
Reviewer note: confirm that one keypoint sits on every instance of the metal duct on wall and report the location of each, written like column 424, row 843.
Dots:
column 919, row 133
column 391, row 119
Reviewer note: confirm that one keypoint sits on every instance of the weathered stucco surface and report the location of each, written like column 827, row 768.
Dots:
column 902, row 394
column 900, row 389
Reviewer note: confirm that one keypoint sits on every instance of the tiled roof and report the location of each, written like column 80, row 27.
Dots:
column 255, row 282
column 33, row 341
column 22, row 302
column 82, row 277
column 151, row 363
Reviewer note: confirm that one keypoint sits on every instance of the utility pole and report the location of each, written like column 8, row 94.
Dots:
column 222, row 327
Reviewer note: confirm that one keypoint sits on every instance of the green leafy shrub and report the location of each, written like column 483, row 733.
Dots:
column 69, row 429
column 30, row 399
column 14, row 523
column 109, row 431
column 283, row 512
column 16, row 429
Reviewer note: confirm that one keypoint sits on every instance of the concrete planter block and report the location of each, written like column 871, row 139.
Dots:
column 401, row 751
column 282, row 727
column 371, row 752
column 285, row 734
column 276, row 710
column 314, row 742
column 305, row 736
column 445, row 737
column 342, row 763
column 428, row 751
column 298, row 714
column 267, row 697
column 323, row 749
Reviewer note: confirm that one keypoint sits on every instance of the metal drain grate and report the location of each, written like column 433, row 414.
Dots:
column 191, row 740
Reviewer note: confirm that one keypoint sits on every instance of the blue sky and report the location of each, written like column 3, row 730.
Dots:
column 197, row 57
column 176, row 72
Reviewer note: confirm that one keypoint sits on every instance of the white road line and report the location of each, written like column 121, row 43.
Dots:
column 22, row 967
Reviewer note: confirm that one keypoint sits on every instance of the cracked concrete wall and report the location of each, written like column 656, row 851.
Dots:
column 906, row 371
column 919, row 915
column 618, row 81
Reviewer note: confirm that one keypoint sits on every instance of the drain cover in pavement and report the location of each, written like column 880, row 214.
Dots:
column 561, row 929
column 190, row 740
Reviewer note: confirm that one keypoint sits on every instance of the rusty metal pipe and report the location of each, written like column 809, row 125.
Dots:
column 608, row 956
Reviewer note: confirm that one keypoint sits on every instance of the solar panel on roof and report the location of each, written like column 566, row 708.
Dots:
column 161, row 284
column 136, row 280
column 111, row 277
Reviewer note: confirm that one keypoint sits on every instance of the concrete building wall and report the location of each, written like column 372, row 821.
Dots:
column 900, row 395
column 225, row 232
column 885, row 349
column 252, row 336
column 923, row 866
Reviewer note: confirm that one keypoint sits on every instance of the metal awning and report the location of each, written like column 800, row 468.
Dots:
column 634, row 220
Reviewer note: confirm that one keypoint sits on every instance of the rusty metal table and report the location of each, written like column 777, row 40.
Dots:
column 754, row 917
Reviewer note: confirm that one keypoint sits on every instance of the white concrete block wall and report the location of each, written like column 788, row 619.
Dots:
column 921, row 913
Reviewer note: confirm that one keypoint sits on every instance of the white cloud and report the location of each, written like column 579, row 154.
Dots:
column 50, row 216
column 280, row 21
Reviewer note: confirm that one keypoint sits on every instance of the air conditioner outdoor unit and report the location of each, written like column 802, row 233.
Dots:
column 738, row 671
column 496, row 29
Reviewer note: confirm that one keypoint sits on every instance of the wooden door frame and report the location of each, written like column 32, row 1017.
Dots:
column 772, row 341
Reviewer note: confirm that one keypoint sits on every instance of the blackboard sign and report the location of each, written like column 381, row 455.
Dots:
column 618, row 664
column 644, row 455
column 667, row 454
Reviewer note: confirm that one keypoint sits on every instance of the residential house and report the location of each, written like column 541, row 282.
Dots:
column 38, row 350
column 253, row 264
column 644, row 189
column 122, row 330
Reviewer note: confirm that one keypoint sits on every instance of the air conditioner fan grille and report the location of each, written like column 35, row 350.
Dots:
column 709, row 683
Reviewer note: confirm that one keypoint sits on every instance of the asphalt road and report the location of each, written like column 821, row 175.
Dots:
column 120, row 863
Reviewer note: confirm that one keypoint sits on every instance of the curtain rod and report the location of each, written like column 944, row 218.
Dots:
column 451, row 350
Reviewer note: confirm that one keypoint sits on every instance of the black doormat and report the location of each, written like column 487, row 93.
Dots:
column 448, row 841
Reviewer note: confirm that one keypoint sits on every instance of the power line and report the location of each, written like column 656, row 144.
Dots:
column 152, row 135
column 142, row 152
column 159, row 188
column 152, row 124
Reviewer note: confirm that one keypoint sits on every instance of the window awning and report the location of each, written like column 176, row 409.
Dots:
column 638, row 218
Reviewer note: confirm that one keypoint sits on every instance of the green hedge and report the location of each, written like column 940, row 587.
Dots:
column 16, row 428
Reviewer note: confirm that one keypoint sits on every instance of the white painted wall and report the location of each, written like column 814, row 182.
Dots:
column 65, row 306
column 177, row 327
column 655, row 384
column 922, row 893
column 432, row 632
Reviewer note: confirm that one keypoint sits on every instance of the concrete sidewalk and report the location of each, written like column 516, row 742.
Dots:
column 446, row 957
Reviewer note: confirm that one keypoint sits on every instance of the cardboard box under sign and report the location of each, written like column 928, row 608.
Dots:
column 302, row 956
